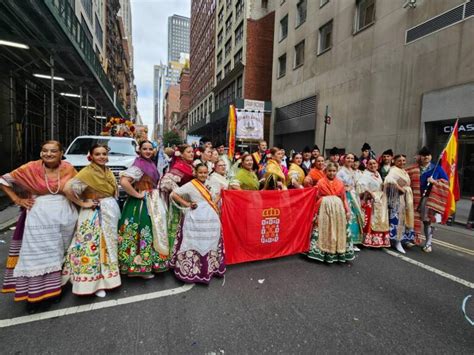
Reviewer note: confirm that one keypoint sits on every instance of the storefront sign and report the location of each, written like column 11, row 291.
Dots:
column 254, row 105
column 466, row 128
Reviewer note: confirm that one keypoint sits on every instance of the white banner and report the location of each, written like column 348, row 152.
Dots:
column 249, row 125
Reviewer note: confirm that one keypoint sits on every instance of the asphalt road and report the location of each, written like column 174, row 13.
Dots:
column 376, row 304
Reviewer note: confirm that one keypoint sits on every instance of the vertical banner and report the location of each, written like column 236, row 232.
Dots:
column 249, row 125
column 260, row 225
column 231, row 127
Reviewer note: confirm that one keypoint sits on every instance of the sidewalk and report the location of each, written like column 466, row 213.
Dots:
column 463, row 207
column 8, row 217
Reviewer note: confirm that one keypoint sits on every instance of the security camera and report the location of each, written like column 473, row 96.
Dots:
column 409, row 3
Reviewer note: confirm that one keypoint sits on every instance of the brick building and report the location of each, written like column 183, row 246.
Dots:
column 243, row 63
column 184, row 101
column 171, row 107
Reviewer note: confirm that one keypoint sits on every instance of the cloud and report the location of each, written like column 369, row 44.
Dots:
column 150, row 45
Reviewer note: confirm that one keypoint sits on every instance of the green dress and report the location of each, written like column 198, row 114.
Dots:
column 137, row 253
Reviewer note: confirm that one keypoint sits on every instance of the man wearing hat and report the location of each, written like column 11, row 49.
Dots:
column 367, row 154
column 315, row 153
column 386, row 163
column 430, row 187
column 306, row 164
column 334, row 156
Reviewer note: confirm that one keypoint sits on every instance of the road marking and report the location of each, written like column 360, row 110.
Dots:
column 4, row 323
column 454, row 247
column 430, row 268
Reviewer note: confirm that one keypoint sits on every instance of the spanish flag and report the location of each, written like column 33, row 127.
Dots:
column 231, row 128
column 449, row 163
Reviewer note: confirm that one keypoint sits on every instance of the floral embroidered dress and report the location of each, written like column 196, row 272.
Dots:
column 143, row 240
column 400, row 205
column 198, row 253
column 349, row 179
column 42, row 234
column 91, row 263
column 374, row 206
column 330, row 239
column 179, row 174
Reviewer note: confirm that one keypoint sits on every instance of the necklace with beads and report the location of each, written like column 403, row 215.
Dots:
column 47, row 182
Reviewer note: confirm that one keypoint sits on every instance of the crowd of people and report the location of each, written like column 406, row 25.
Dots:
column 71, row 228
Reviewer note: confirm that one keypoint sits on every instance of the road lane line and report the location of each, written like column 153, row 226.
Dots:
column 453, row 247
column 430, row 268
column 4, row 323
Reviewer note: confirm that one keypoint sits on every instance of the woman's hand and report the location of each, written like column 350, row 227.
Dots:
column 348, row 216
column 192, row 205
column 141, row 195
column 25, row 203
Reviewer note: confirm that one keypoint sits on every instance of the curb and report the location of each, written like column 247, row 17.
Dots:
column 8, row 223
column 464, row 231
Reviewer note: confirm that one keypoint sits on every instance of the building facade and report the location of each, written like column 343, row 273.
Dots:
column 178, row 37
column 243, row 64
column 159, row 91
column 184, row 102
column 202, row 58
column 390, row 74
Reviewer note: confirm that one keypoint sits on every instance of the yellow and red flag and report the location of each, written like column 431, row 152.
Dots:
column 449, row 162
column 231, row 128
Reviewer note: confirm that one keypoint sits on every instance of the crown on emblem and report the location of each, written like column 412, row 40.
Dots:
column 271, row 212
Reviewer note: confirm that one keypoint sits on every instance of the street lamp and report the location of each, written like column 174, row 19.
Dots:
column 13, row 44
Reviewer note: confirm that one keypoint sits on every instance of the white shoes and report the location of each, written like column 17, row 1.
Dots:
column 427, row 249
column 399, row 247
column 356, row 248
column 100, row 293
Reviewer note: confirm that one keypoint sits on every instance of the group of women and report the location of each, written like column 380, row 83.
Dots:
column 72, row 230
column 92, row 244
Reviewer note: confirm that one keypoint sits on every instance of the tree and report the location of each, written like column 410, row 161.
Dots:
column 171, row 138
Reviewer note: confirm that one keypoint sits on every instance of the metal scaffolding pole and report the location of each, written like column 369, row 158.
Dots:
column 80, row 111
column 95, row 117
column 67, row 126
column 87, row 111
column 44, row 117
column 26, row 123
column 12, row 122
column 52, row 96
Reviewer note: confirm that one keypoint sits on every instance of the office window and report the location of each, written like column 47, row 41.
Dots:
column 228, row 3
column 87, row 32
column 219, row 58
column 299, row 55
column 228, row 47
column 220, row 37
column 325, row 37
column 238, row 57
column 365, row 13
column 87, row 4
column 227, row 68
column 239, row 87
column 98, row 31
column 283, row 28
column 282, row 2
column 228, row 24
column 323, row 2
column 239, row 8
column 300, row 12
column 239, row 33
column 220, row 17
column 282, row 65
column 264, row 4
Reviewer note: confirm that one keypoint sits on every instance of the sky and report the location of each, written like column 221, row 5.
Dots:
column 150, row 45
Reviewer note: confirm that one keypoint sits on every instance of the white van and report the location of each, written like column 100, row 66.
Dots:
column 122, row 153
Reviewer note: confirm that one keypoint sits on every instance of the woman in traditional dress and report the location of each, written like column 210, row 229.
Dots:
column 91, row 263
column 275, row 178
column 374, row 206
column 296, row 173
column 143, row 237
column 198, row 254
column 245, row 178
column 44, row 228
column 330, row 240
column 400, row 204
column 316, row 173
column 180, row 173
column 348, row 176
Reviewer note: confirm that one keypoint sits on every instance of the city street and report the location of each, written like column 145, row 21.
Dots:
column 378, row 303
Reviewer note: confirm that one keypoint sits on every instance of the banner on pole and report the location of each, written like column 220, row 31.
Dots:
column 249, row 125
column 260, row 225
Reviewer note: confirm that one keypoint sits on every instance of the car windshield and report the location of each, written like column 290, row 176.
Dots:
column 81, row 146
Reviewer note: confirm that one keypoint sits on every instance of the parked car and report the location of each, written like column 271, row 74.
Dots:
column 122, row 154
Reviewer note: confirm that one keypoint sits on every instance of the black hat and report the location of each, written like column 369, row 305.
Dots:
column 334, row 151
column 218, row 144
column 306, row 150
column 366, row 146
column 424, row 151
column 315, row 147
column 388, row 152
